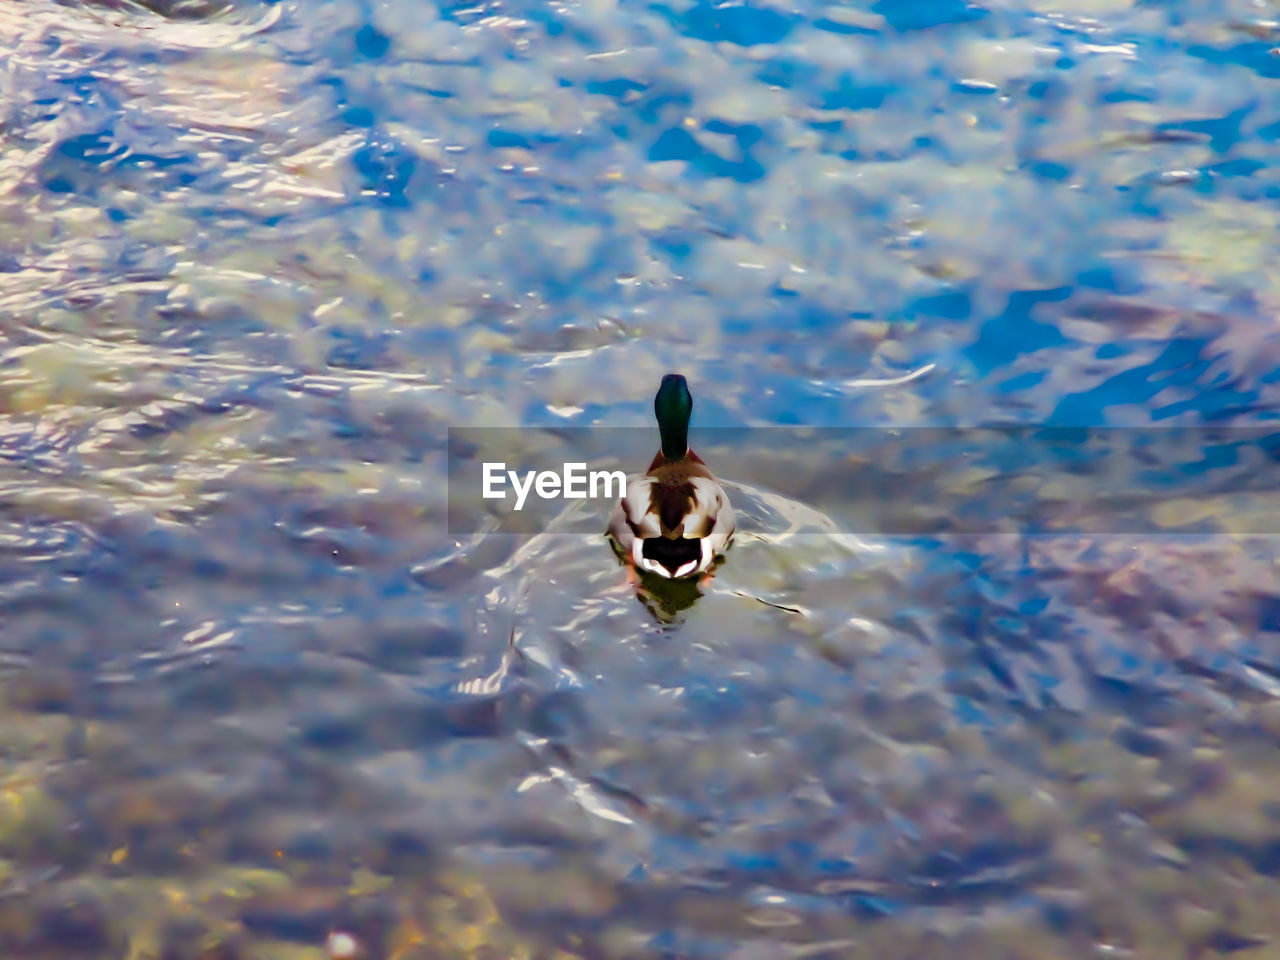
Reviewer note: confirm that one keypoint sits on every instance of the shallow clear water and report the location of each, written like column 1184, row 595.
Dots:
column 258, row 259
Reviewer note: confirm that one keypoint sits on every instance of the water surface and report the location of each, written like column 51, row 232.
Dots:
column 259, row 257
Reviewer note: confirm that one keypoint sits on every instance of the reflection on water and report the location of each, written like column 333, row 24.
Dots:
column 259, row 257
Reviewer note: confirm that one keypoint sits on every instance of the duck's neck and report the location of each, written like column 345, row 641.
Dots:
column 673, row 406
column 675, row 439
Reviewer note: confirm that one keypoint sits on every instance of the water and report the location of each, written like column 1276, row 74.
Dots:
column 259, row 257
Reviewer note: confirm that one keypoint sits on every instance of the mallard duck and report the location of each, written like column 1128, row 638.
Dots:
column 676, row 519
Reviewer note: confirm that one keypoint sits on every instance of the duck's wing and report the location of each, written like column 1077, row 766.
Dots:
column 717, row 538
column 631, row 519
column 706, row 502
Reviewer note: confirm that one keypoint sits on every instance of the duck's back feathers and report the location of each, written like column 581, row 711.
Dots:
column 675, row 492
column 681, row 504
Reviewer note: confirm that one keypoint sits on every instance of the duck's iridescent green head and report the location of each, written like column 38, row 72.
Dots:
column 673, row 406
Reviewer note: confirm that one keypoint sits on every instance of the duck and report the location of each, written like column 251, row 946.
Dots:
column 675, row 520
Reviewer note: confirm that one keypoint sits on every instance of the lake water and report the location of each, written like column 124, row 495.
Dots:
column 258, row 689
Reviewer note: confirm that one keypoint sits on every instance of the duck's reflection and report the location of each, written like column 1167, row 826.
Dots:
column 666, row 599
